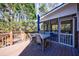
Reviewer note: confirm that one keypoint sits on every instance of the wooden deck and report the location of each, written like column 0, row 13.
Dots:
column 14, row 50
column 56, row 49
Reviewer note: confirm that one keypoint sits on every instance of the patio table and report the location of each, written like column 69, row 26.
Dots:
column 44, row 37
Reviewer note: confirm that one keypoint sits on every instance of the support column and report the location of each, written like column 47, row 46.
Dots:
column 38, row 23
column 49, row 25
column 59, row 29
column 73, row 22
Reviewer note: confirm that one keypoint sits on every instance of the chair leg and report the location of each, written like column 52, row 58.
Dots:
column 48, row 43
column 43, row 45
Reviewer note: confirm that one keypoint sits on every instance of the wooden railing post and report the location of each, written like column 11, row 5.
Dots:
column 11, row 38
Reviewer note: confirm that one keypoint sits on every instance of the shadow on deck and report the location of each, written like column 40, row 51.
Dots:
column 55, row 50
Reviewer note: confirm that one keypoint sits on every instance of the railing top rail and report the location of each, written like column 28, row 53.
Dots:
column 65, row 34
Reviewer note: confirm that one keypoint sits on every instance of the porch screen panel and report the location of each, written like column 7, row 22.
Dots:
column 47, row 26
column 42, row 27
column 66, row 32
column 54, row 31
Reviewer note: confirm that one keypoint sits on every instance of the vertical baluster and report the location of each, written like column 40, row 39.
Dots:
column 61, row 37
column 69, row 39
column 68, row 36
column 66, row 39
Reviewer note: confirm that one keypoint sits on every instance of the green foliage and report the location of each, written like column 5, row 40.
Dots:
column 4, row 26
column 2, row 5
column 28, row 7
column 43, row 8
column 9, row 24
column 29, row 26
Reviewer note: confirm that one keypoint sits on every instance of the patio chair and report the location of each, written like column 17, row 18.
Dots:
column 35, row 38
column 43, row 43
column 38, row 39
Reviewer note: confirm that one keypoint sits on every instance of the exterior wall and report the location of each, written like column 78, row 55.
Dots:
column 64, row 11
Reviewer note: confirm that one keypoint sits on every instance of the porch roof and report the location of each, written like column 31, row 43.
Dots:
column 53, row 10
column 63, row 10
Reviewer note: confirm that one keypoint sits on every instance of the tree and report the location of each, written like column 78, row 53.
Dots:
column 43, row 9
column 9, row 11
column 29, row 26
column 29, row 9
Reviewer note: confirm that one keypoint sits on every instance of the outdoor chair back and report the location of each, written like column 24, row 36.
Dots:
column 38, row 38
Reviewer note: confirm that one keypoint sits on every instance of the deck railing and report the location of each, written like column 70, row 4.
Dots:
column 54, row 36
column 66, row 38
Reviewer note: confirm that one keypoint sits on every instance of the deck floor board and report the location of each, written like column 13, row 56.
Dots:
column 55, row 50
